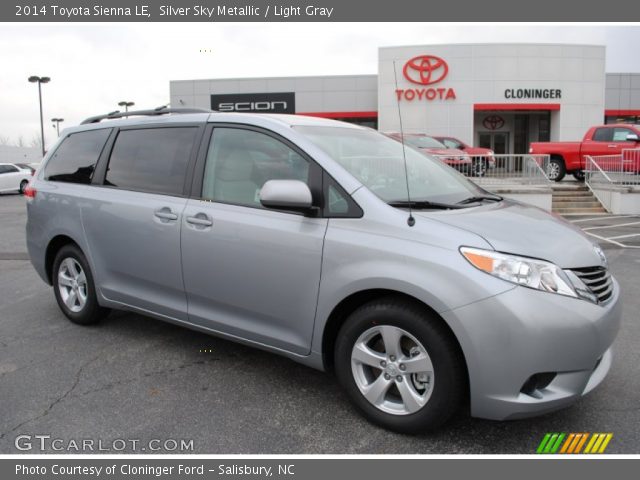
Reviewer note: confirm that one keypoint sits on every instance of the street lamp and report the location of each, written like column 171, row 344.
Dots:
column 56, row 124
column 40, row 81
column 126, row 105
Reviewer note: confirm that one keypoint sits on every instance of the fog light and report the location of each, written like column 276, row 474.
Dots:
column 537, row 382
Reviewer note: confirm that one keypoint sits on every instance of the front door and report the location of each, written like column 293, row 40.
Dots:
column 251, row 272
column 496, row 141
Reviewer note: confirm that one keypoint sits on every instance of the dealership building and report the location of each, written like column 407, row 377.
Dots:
column 499, row 96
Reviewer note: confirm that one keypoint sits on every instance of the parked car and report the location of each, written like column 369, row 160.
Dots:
column 14, row 177
column 451, row 156
column 569, row 157
column 482, row 158
column 307, row 238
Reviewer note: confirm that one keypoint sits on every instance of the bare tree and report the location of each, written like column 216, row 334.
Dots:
column 4, row 140
column 20, row 142
column 35, row 141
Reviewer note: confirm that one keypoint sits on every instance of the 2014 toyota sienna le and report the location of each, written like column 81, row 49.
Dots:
column 304, row 237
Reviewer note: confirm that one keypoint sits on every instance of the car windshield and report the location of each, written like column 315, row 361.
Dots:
column 420, row 141
column 377, row 161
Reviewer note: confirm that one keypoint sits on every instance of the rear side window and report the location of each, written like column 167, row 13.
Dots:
column 603, row 135
column 151, row 159
column 75, row 159
column 620, row 134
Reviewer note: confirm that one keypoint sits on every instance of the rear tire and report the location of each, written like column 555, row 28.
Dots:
column 23, row 185
column 420, row 386
column 579, row 175
column 74, row 287
column 556, row 169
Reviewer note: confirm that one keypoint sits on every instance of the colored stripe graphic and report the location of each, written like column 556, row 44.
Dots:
column 550, row 443
column 573, row 443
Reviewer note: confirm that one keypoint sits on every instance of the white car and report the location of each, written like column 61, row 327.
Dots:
column 14, row 178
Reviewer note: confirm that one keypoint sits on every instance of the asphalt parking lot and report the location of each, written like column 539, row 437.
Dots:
column 133, row 377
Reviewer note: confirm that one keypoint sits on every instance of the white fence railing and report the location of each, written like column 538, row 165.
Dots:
column 605, row 174
column 505, row 169
column 620, row 170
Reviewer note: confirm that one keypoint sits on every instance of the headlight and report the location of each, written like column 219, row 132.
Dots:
column 523, row 271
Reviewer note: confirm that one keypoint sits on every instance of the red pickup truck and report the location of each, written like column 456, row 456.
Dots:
column 569, row 157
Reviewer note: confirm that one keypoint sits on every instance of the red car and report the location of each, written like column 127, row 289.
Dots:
column 483, row 158
column 451, row 156
column 569, row 157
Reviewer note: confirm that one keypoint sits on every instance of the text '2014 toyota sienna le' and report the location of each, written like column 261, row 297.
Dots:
column 294, row 234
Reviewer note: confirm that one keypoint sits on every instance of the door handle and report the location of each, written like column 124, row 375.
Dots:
column 200, row 219
column 165, row 214
column 612, row 146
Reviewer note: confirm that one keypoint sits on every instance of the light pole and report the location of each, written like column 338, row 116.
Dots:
column 56, row 124
column 126, row 105
column 40, row 81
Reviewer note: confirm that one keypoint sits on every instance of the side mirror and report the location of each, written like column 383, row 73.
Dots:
column 286, row 195
column 632, row 137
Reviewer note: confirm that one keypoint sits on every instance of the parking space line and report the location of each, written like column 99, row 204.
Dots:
column 625, row 236
column 612, row 226
column 601, row 217
column 605, row 239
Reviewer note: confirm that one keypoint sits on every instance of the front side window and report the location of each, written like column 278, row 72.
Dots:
column 377, row 161
column 75, row 159
column 151, row 160
column 620, row 134
column 451, row 143
column 240, row 161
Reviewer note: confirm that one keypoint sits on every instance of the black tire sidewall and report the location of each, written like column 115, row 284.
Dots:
column 23, row 185
column 92, row 312
column 561, row 169
column 449, row 378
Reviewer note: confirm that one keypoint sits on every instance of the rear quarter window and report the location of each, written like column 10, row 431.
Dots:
column 74, row 161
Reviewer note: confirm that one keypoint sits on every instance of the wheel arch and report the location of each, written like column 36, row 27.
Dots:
column 348, row 305
column 54, row 246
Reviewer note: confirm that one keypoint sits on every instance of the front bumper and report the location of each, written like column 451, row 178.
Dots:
column 510, row 337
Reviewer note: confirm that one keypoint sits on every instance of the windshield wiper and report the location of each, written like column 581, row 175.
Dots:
column 424, row 204
column 479, row 198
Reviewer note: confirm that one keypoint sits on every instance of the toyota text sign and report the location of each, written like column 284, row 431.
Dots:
column 282, row 102
column 426, row 70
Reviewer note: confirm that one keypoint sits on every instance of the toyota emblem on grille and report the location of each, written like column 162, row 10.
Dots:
column 600, row 253
column 425, row 70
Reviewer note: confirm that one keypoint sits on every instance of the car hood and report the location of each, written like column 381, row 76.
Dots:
column 477, row 151
column 521, row 229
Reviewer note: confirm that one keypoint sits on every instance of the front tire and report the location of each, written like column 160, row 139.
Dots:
column 74, row 287
column 479, row 167
column 400, row 366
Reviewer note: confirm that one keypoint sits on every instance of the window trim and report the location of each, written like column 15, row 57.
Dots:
column 315, row 171
column 100, row 172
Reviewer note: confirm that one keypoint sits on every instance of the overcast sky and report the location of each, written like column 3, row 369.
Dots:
column 93, row 67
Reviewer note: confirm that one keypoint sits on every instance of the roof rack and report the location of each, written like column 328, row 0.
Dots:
column 147, row 113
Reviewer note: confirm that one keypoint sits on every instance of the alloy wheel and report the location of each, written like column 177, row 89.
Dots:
column 72, row 284
column 392, row 370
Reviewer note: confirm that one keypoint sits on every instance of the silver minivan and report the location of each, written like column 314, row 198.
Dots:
column 333, row 245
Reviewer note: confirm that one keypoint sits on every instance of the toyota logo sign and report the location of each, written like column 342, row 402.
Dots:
column 493, row 122
column 425, row 70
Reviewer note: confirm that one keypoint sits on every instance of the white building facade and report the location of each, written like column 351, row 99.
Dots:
column 499, row 96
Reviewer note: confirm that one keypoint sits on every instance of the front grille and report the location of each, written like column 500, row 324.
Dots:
column 598, row 280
